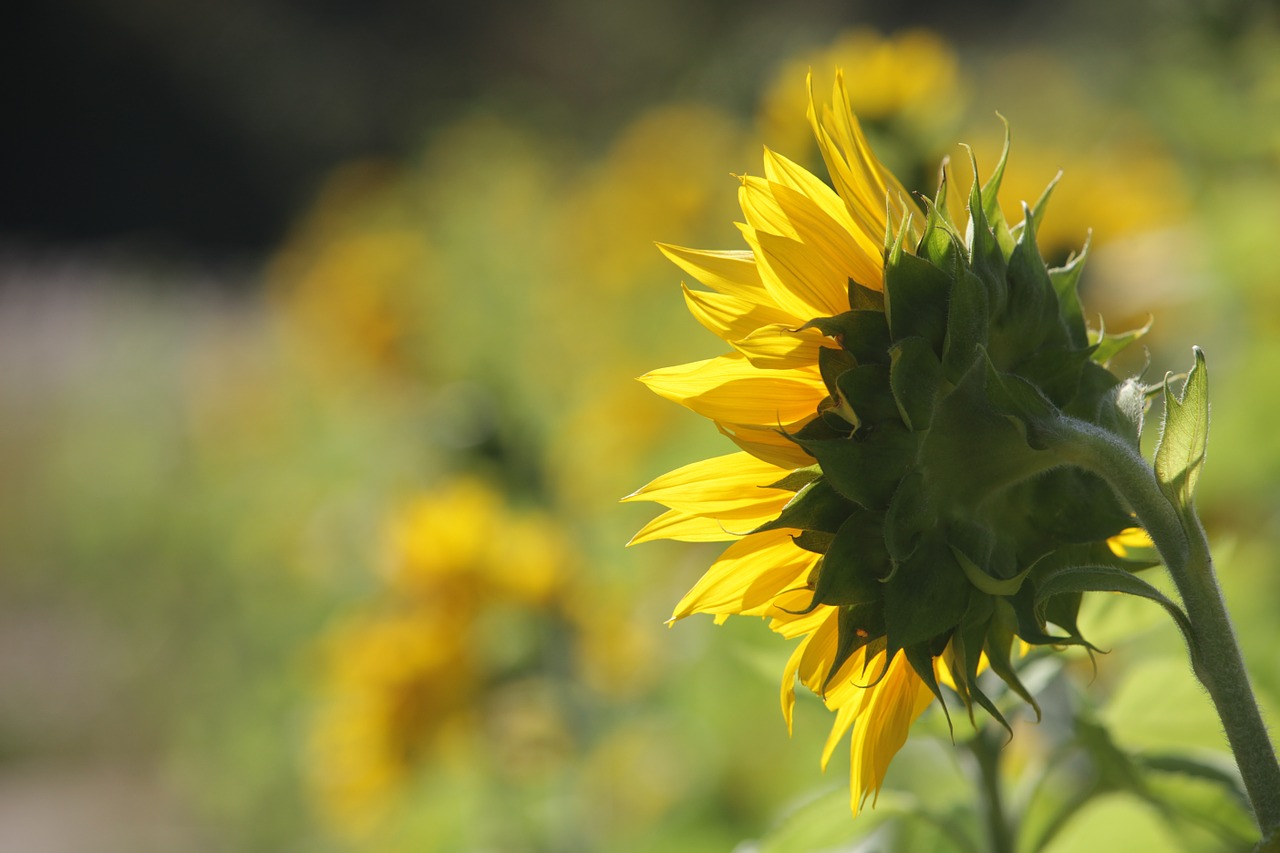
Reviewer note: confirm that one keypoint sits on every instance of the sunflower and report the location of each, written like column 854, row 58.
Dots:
column 890, row 505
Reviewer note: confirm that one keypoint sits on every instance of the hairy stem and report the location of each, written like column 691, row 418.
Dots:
column 1182, row 544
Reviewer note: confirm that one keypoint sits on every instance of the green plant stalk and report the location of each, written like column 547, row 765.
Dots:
column 1184, row 548
column 985, row 747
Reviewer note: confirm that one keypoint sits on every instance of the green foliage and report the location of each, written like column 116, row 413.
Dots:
column 1183, row 438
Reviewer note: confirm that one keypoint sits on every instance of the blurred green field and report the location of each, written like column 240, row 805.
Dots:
column 333, row 559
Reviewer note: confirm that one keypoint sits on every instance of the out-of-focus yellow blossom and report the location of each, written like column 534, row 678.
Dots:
column 1142, row 186
column 408, row 678
column 351, row 279
column 911, row 76
column 396, row 682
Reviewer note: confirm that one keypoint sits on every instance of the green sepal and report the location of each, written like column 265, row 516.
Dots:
column 855, row 563
column 856, row 626
column 1031, row 319
column 991, row 201
column 966, row 654
column 1055, row 371
column 987, row 583
column 867, row 467
column 1092, row 396
column 909, row 516
column 1066, row 283
column 941, row 245
column 999, row 643
column 1109, row 346
column 1079, row 579
column 797, row 479
column 1042, row 204
column 968, row 325
column 832, row 363
column 865, row 389
column 915, row 298
column 1020, row 402
column 974, row 450
column 864, row 334
column 985, row 256
column 914, row 376
column 926, row 597
column 920, row 656
column 863, row 298
column 817, row 506
column 1180, row 454
column 814, row 541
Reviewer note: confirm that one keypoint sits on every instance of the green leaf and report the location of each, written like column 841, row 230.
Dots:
column 1078, row 579
column 1180, row 453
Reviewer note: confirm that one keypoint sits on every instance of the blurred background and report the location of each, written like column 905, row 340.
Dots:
column 318, row 329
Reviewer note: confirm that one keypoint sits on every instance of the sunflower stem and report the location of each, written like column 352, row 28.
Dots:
column 1184, row 548
column 985, row 747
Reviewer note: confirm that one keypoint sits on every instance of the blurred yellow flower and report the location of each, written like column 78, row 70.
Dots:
column 407, row 678
column 807, row 243
column 350, row 279
column 912, row 76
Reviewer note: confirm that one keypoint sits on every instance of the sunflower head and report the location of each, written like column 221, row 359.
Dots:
column 896, row 504
column 936, row 511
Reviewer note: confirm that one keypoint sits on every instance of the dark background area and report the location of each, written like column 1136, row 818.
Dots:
column 203, row 129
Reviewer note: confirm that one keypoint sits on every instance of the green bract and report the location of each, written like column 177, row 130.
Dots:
column 947, row 525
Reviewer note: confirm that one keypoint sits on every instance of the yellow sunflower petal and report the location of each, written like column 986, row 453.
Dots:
column 855, row 251
column 788, row 693
column 730, row 317
column 749, row 573
column 768, row 445
column 781, row 345
column 761, row 209
column 711, row 486
column 803, row 272
column 1130, row 539
column 729, row 272
column 729, row 388
column 689, row 527
column 892, row 705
